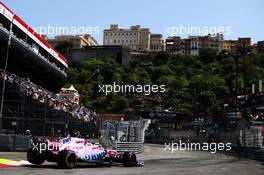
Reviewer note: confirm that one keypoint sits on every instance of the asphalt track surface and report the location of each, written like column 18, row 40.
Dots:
column 157, row 162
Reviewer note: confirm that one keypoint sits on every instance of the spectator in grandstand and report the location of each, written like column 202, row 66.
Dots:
column 54, row 101
column 28, row 133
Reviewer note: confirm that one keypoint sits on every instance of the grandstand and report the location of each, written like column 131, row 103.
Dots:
column 30, row 55
column 34, row 70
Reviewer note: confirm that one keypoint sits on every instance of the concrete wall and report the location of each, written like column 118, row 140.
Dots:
column 120, row 53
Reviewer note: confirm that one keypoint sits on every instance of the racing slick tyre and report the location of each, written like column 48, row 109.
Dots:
column 35, row 157
column 108, row 162
column 67, row 159
column 129, row 159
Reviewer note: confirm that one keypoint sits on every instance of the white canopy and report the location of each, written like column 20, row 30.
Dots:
column 71, row 88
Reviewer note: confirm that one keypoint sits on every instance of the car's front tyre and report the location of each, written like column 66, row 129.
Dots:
column 129, row 159
column 108, row 162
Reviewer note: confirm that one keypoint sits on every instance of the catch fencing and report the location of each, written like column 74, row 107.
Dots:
column 123, row 135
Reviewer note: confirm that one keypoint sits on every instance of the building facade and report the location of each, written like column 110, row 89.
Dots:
column 193, row 44
column 77, row 41
column 173, row 44
column 122, row 54
column 232, row 45
column 141, row 40
column 156, row 42
column 260, row 47
column 229, row 45
column 244, row 42
column 187, row 46
column 136, row 38
column 216, row 42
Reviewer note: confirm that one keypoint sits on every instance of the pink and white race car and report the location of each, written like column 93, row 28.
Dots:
column 69, row 151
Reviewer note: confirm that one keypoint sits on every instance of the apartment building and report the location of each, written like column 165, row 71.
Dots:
column 193, row 44
column 216, row 42
column 156, row 42
column 244, row 42
column 136, row 38
column 232, row 45
column 173, row 44
column 260, row 46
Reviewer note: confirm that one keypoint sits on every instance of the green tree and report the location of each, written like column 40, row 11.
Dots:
column 207, row 55
column 207, row 99
column 161, row 58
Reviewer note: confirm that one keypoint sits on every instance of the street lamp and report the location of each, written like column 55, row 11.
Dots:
column 242, row 55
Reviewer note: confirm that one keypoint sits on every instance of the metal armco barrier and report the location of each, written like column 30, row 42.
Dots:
column 10, row 142
column 135, row 147
column 248, row 152
column 247, row 143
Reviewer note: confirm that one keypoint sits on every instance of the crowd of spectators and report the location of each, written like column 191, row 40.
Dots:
column 55, row 101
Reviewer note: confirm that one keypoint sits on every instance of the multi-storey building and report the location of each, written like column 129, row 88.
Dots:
column 216, row 42
column 232, row 45
column 137, row 38
column 176, row 45
column 254, row 48
column 173, row 44
column 77, row 41
column 260, row 47
column 244, row 42
column 187, row 46
column 156, row 42
column 195, row 45
column 227, row 45
column 205, row 41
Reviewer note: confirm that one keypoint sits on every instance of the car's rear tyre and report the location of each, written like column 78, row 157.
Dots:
column 35, row 157
column 129, row 159
column 67, row 159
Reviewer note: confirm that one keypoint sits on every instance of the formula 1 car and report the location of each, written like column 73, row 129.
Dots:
column 69, row 151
